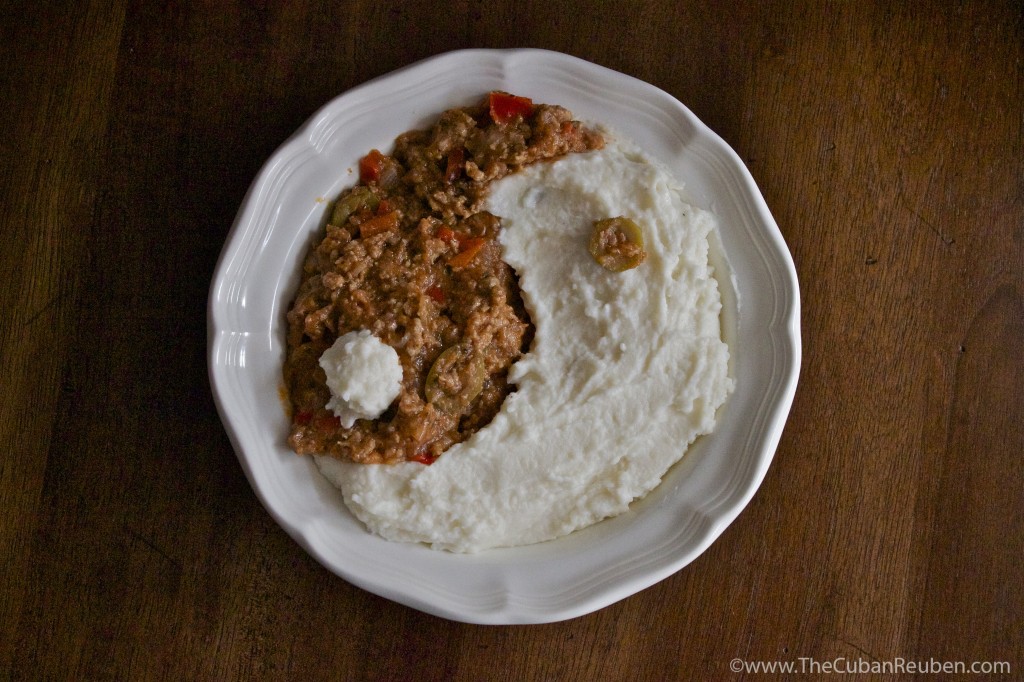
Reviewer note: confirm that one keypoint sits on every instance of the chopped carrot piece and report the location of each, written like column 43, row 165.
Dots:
column 467, row 252
column 378, row 224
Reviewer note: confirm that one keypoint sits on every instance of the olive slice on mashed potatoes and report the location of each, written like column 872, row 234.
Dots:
column 617, row 244
column 455, row 379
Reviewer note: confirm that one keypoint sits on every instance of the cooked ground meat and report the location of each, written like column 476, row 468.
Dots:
column 408, row 255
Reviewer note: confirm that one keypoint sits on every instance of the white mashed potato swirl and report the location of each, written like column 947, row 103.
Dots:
column 625, row 371
column 363, row 374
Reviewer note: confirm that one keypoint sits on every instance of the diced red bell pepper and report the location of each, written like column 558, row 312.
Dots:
column 370, row 167
column 424, row 457
column 437, row 293
column 449, row 235
column 505, row 107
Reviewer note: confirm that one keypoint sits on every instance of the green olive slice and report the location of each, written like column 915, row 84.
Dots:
column 454, row 380
column 617, row 244
column 359, row 198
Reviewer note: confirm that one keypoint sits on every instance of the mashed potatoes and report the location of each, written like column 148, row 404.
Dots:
column 364, row 376
column 625, row 371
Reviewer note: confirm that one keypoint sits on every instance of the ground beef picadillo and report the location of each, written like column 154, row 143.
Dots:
column 409, row 255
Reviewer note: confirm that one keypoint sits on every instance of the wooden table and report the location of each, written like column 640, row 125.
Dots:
column 889, row 145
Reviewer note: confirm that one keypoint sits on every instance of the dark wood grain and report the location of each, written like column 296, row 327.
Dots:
column 889, row 144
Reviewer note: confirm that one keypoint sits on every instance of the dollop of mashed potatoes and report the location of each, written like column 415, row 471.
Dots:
column 363, row 374
column 625, row 371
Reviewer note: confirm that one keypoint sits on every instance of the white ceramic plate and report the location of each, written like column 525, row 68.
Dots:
column 258, row 272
